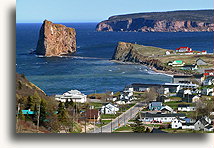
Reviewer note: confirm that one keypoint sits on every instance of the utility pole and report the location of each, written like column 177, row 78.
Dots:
column 38, row 118
column 111, row 125
column 101, row 124
column 94, row 123
column 17, row 118
column 85, row 121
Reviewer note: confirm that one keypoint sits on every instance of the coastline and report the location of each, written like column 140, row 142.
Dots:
column 168, row 73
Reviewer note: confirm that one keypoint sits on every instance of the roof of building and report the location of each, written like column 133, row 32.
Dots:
column 167, row 108
column 156, row 103
column 162, row 115
column 183, row 105
column 178, row 62
column 29, row 112
column 203, row 121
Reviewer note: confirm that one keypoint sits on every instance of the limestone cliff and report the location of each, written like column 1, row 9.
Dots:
column 173, row 21
column 56, row 40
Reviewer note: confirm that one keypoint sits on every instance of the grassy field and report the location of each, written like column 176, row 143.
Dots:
column 174, row 104
column 109, row 116
column 124, row 128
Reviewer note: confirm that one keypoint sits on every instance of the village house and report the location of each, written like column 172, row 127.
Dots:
column 127, row 94
column 176, row 63
column 195, row 99
column 92, row 115
column 183, row 49
column 190, row 67
column 166, row 110
column 208, row 72
column 155, row 106
column 200, row 62
column 74, row 95
column 158, row 117
column 202, row 123
column 188, row 79
column 207, row 91
column 182, row 124
column 185, row 108
column 209, row 80
column 109, row 109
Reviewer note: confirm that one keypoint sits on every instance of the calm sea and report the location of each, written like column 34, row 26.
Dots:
column 90, row 70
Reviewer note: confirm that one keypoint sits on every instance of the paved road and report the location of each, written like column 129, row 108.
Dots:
column 121, row 120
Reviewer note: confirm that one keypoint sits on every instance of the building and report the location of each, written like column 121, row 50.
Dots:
column 183, row 49
column 27, row 112
column 148, row 117
column 109, row 109
column 168, row 52
column 188, row 79
column 182, row 123
column 209, row 80
column 202, row 123
column 74, row 95
column 166, row 110
column 207, row 91
column 176, row 63
column 185, row 108
column 190, row 67
column 209, row 72
column 155, row 106
column 200, row 62
column 92, row 115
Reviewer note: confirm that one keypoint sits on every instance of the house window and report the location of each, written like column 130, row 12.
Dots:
column 175, row 125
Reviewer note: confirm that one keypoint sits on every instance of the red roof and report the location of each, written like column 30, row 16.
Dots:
column 204, row 51
column 209, row 70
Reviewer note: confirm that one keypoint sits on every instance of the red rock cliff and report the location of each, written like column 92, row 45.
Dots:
column 173, row 21
column 56, row 40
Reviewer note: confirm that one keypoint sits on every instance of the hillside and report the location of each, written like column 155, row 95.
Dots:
column 54, row 117
column 155, row 57
column 172, row 21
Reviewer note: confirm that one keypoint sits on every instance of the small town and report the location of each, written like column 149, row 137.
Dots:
column 183, row 106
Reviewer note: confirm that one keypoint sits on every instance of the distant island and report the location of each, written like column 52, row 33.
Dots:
column 56, row 40
column 172, row 21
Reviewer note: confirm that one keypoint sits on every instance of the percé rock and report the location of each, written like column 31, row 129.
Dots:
column 56, row 40
column 172, row 21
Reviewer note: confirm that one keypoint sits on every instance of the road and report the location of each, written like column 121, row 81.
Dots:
column 120, row 120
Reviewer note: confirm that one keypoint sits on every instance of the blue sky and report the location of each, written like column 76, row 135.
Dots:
column 32, row 11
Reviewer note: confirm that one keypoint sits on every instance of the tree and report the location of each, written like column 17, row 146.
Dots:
column 151, row 94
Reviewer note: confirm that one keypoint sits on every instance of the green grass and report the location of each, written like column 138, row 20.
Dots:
column 174, row 104
column 96, row 105
column 124, row 128
column 109, row 116
column 183, row 131
column 104, row 122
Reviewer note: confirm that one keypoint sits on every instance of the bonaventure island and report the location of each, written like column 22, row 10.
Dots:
column 184, row 105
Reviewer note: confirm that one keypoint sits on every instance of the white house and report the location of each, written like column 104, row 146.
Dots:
column 195, row 99
column 181, row 123
column 74, row 95
column 148, row 117
column 202, row 123
column 109, row 109
column 127, row 94
column 185, row 108
column 167, row 52
column 166, row 109
column 207, row 91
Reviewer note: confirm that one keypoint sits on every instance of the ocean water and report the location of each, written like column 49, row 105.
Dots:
column 89, row 69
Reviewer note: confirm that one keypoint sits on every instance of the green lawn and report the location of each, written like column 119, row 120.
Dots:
column 124, row 128
column 109, row 116
column 174, row 104
column 96, row 105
